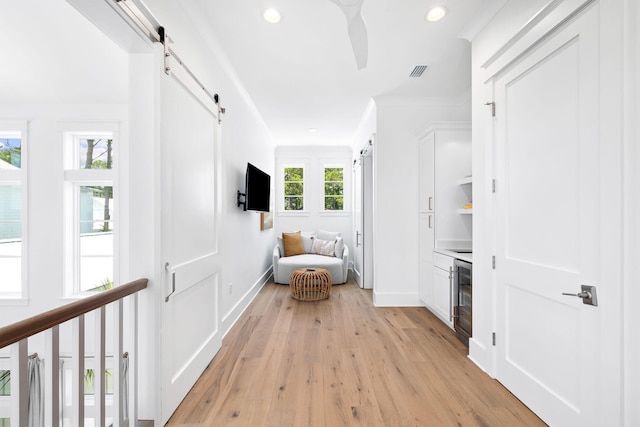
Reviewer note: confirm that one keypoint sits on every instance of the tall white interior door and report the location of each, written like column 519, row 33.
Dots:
column 357, row 223
column 190, row 328
column 364, row 212
column 549, row 191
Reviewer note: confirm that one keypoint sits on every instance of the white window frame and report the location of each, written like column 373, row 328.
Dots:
column 281, row 196
column 19, row 177
column 74, row 178
column 347, row 176
column 344, row 185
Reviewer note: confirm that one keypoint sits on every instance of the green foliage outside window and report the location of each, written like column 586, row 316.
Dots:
column 293, row 189
column 333, row 189
column 11, row 151
column 5, row 383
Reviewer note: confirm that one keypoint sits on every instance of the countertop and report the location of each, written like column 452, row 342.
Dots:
column 463, row 256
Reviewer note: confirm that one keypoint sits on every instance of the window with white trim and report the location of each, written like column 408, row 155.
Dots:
column 90, row 210
column 333, row 188
column 13, row 203
column 293, row 182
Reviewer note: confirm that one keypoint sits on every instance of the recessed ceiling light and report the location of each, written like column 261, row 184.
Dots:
column 313, row 130
column 435, row 13
column 272, row 15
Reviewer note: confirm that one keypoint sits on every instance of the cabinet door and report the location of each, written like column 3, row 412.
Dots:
column 427, row 174
column 442, row 284
column 426, row 236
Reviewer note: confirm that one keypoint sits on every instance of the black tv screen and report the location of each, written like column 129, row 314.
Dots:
column 257, row 189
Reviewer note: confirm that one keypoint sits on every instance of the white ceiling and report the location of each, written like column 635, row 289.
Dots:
column 301, row 72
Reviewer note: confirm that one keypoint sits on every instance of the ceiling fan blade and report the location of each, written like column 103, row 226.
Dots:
column 357, row 29
column 359, row 41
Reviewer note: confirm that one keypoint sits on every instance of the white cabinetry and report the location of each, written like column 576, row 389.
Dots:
column 445, row 159
column 427, row 239
column 427, row 182
column 443, row 291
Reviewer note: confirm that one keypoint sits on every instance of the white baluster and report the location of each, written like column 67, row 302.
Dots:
column 99, row 367
column 133, row 361
column 19, row 384
column 77, row 375
column 52, row 377
column 117, row 361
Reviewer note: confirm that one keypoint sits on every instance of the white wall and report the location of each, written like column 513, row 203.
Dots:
column 395, row 228
column 632, row 193
column 314, row 217
column 64, row 69
column 48, row 82
column 366, row 129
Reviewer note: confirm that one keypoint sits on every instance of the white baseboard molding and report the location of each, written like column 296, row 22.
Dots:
column 388, row 299
column 482, row 356
column 234, row 314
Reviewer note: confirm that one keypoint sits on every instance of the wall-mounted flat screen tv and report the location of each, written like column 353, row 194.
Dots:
column 257, row 189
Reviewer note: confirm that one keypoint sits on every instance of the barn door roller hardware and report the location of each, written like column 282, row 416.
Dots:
column 145, row 22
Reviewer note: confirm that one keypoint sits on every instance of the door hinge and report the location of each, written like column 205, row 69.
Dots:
column 493, row 185
column 493, row 338
column 493, row 262
column 493, row 108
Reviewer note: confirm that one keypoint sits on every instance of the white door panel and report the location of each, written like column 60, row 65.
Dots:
column 190, row 330
column 190, row 273
column 548, row 176
column 363, row 240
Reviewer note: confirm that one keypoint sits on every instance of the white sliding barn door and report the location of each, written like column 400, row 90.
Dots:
column 190, row 329
column 550, row 185
column 358, row 252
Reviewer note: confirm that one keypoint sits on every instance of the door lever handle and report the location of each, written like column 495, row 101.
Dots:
column 583, row 295
column 588, row 295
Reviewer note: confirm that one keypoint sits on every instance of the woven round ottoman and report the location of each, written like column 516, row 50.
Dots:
column 310, row 284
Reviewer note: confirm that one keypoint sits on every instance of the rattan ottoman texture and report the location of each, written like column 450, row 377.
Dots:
column 310, row 284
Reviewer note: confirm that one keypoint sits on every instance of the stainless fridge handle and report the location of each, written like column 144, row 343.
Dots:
column 450, row 293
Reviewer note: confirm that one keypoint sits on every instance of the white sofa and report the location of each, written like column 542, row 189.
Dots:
column 283, row 266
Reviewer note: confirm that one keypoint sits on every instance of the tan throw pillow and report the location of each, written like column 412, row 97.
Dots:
column 292, row 244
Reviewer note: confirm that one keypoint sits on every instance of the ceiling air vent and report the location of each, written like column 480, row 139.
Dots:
column 418, row 70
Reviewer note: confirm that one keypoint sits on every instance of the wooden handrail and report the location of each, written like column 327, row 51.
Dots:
column 25, row 328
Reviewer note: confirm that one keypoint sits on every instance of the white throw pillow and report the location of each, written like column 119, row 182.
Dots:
column 307, row 240
column 323, row 247
column 339, row 251
column 280, row 245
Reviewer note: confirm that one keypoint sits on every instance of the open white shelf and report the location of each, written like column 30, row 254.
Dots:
column 465, row 180
column 465, row 211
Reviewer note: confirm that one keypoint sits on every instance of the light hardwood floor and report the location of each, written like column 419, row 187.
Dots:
column 343, row 362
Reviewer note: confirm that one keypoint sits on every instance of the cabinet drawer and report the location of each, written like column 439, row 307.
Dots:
column 442, row 261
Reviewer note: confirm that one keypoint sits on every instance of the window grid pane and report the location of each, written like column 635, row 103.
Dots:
column 11, row 239
column 333, row 189
column 95, row 153
column 293, row 189
column 96, row 237
column 10, row 153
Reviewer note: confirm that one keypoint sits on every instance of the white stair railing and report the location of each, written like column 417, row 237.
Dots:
column 15, row 337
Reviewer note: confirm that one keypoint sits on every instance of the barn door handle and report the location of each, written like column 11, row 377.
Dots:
column 167, row 267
